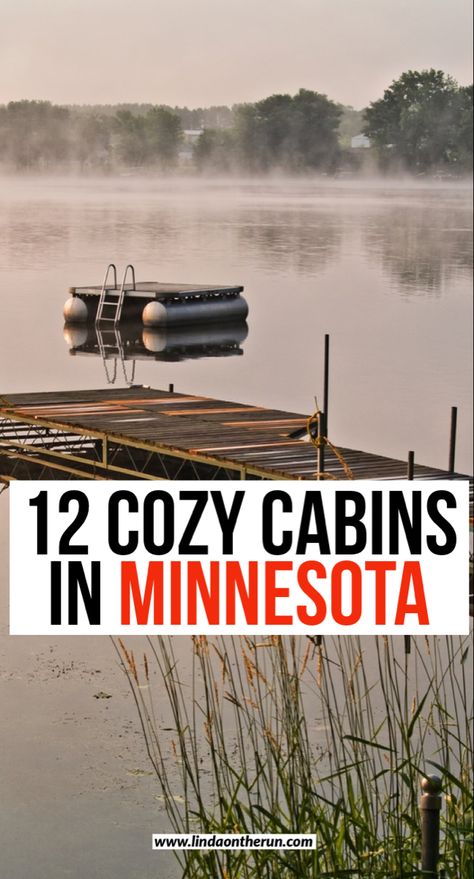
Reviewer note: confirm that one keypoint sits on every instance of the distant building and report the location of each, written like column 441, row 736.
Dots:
column 360, row 141
column 191, row 135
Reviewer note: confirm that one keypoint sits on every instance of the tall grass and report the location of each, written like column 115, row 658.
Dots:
column 285, row 735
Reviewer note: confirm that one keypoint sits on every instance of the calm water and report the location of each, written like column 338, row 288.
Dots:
column 386, row 270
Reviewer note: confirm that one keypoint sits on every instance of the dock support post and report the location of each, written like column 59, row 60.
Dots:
column 326, row 379
column 452, row 438
column 430, row 805
column 105, row 452
column 171, row 388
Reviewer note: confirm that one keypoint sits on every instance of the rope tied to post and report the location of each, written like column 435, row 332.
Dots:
column 313, row 425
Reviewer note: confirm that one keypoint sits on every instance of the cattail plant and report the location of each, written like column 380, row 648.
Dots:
column 291, row 735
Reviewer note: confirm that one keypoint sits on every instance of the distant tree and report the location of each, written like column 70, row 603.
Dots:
column 215, row 151
column 248, row 145
column 417, row 122
column 422, row 122
column 92, row 140
column 130, row 144
column 189, row 118
column 34, row 134
column 163, row 136
column 218, row 116
column 206, row 117
column 315, row 131
column 274, row 130
column 291, row 133
column 465, row 127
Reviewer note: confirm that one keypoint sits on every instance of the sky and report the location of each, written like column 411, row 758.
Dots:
column 202, row 52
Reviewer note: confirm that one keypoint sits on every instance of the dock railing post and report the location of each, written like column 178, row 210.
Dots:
column 452, row 438
column 322, row 434
column 410, row 475
column 326, row 379
column 430, row 805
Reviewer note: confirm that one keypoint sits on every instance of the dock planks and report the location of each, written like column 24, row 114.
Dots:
column 156, row 434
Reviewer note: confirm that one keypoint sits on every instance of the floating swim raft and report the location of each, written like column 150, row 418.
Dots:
column 157, row 303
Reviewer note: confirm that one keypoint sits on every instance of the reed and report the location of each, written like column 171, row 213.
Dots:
column 285, row 735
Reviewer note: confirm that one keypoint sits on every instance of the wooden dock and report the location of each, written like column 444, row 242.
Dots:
column 141, row 433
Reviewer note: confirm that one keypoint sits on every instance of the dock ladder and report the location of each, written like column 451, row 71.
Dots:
column 111, row 298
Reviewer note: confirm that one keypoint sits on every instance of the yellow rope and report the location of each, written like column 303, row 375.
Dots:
column 319, row 442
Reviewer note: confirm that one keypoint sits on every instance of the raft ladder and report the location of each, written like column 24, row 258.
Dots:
column 109, row 340
column 111, row 298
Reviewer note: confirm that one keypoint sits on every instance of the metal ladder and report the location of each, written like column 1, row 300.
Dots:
column 113, row 349
column 112, row 298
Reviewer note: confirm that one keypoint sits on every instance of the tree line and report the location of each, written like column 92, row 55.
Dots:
column 422, row 123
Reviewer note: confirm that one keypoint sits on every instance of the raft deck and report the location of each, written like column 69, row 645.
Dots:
column 161, row 291
column 141, row 433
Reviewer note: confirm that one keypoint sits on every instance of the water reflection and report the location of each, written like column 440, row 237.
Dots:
column 423, row 248
column 314, row 257
column 302, row 240
column 29, row 240
column 422, row 239
column 121, row 347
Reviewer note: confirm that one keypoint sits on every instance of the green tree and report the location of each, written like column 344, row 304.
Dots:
column 417, row 122
column 274, row 131
column 315, row 126
column 247, row 137
column 92, row 140
column 35, row 134
column 215, row 150
column 291, row 133
column 163, row 136
column 465, row 127
column 130, row 143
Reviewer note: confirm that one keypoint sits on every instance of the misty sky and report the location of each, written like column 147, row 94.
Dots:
column 203, row 52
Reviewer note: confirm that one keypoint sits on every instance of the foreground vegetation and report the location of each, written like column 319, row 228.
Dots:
column 292, row 736
column 423, row 123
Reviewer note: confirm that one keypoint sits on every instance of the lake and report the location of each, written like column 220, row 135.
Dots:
column 384, row 268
